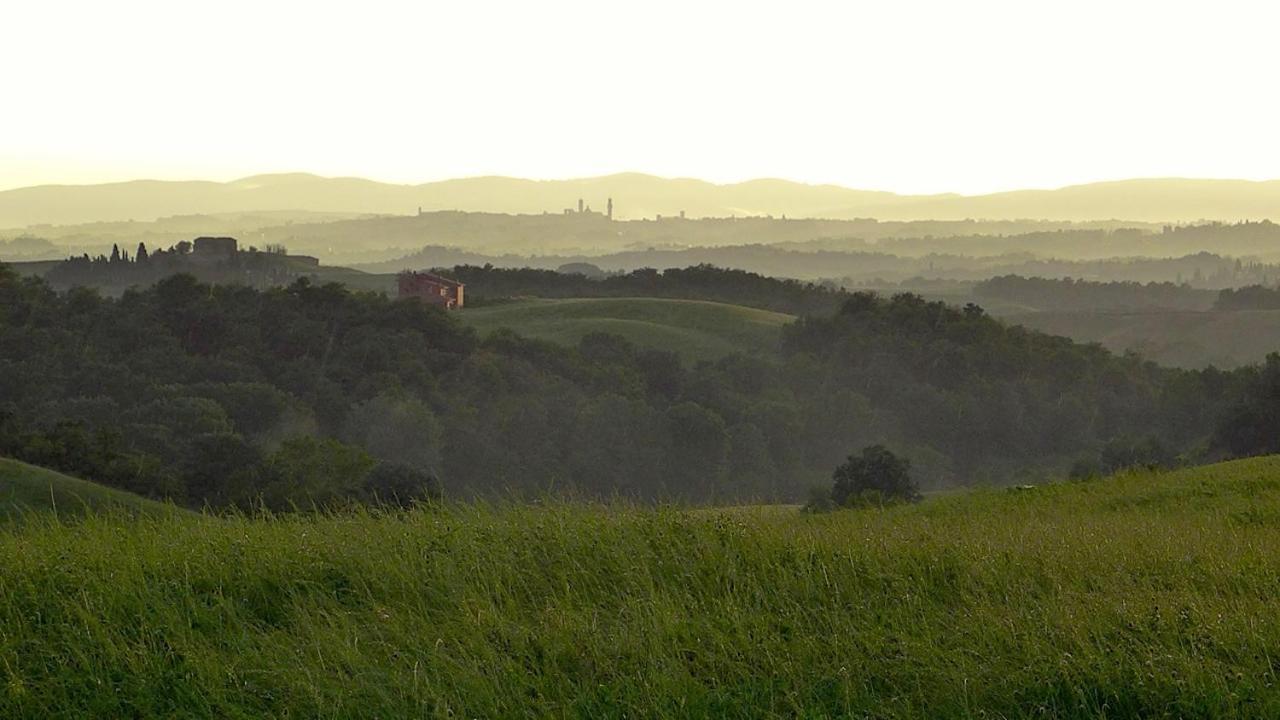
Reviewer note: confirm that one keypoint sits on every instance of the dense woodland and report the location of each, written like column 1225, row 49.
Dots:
column 234, row 396
column 1073, row 294
column 1242, row 239
column 864, row 265
column 1253, row 297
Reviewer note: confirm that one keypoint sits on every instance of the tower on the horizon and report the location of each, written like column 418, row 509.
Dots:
column 579, row 204
column 609, row 209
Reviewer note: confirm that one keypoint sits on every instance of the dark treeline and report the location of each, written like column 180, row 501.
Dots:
column 119, row 270
column 698, row 282
column 876, row 266
column 1252, row 424
column 1247, row 238
column 1072, row 294
column 229, row 395
column 1254, row 297
column 991, row 397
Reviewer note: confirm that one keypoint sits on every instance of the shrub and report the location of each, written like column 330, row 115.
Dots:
column 399, row 484
column 876, row 477
column 1085, row 469
column 819, row 501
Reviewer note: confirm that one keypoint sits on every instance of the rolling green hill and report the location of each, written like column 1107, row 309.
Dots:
column 694, row 329
column 25, row 488
column 1144, row 595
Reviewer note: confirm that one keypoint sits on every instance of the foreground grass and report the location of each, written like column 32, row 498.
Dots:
column 694, row 329
column 1139, row 596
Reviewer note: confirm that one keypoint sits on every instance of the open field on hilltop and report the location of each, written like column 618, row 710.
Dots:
column 35, row 268
column 1146, row 595
column 24, row 488
column 694, row 329
column 1225, row 339
column 356, row 279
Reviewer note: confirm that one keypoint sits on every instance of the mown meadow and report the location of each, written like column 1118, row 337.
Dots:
column 1142, row 595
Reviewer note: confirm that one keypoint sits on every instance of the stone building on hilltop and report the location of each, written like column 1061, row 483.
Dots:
column 431, row 288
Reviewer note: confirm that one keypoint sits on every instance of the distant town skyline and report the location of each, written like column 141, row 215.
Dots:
column 910, row 97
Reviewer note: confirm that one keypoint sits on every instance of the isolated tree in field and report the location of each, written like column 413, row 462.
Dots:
column 874, row 477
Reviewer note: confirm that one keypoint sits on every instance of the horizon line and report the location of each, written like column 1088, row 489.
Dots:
column 622, row 173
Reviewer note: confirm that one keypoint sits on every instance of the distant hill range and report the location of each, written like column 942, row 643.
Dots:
column 635, row 196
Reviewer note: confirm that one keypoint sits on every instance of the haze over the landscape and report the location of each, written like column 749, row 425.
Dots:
column 910, row 97
column 636, row 196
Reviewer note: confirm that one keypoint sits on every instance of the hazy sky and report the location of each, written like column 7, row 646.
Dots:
column 901, row 95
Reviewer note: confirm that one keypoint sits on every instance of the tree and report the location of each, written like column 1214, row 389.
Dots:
column 1123, row 453
column 1252, row 425
column 874, row 477
column 396, row 429
column 220, row 468
column 751, row 468
column 699, row 450
column 311, row 472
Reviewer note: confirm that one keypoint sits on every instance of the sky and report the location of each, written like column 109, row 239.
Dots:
column 912, row 96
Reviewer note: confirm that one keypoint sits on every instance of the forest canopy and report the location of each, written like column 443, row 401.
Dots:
column 232, row 396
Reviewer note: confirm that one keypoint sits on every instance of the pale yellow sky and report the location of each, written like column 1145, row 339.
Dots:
column 910, row 96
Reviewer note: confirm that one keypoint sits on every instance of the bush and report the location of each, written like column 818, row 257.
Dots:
column 1124, row 453
column 316, row 472
column 819, row 501
column 399, row 484
column 876, row 477
column 1085, row 469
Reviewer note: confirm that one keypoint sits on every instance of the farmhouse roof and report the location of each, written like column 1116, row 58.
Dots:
column 436, row 278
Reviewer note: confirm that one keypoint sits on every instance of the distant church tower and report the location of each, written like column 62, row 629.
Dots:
column 610, row 208
column 579, row 204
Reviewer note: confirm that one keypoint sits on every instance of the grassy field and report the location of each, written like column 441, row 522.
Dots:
column 695, row 329
column 25, row 488
column 1140, row 596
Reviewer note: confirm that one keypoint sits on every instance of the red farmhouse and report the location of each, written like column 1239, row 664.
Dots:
column 431, row 288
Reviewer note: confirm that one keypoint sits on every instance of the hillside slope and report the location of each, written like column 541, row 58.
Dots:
column 693, row 329
column 25, row 488
column 1146, row 595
